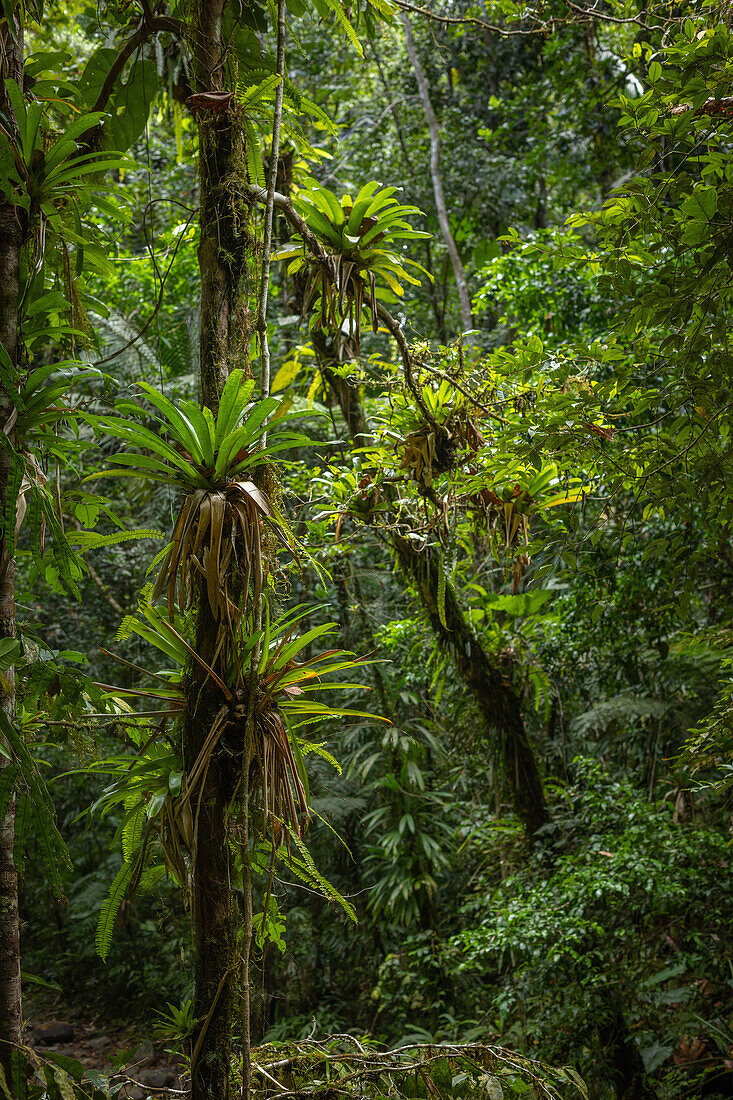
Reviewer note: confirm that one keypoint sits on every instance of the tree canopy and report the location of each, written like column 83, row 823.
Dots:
column 365, row 564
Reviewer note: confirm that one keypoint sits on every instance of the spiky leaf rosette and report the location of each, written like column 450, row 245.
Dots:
column 364, row 260
column 284, row 702
column 221, row 517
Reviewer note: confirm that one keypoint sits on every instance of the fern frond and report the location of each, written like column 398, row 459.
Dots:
column 40, row 810
column 259, row 94
column 110, row 909
column 305, row 869
column 150, row 878
column 121, row 333
column 255, row 169
column 342, row 19
column 132, row 831
column 15, row 480
column 125, row 628
column 308, row 747
column 90, row 540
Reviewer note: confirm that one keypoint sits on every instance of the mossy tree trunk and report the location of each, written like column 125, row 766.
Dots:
column 225, row 330
column 488, row 679
column 12, row 234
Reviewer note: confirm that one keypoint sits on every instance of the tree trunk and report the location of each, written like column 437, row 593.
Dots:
column 12, row 233
column 627, row 1068
column 442, row 210
column 226, row 325
column 490, row 684
column 213, row 915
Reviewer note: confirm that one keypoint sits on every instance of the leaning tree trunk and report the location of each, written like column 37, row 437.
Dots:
column 489, row 682
column 226, row 326
column 12, row 233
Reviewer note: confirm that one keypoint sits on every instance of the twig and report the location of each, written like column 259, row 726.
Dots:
column 159, row 1088
column 395, row 331
column 547, row 26
column 263, row 1071
column 466, row 393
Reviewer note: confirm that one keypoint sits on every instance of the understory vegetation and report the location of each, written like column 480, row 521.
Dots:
column 366, row 573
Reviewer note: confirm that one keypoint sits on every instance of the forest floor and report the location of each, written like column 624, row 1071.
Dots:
column 116, row 1051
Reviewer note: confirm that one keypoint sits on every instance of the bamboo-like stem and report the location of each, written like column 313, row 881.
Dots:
column 270, row 207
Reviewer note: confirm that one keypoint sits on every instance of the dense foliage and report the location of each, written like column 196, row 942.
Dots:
column 252, row 455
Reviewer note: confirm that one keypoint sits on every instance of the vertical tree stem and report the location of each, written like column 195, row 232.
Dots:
column 12, row 235
column 250, row 726
column 225, row 330
column 246, row 1020
column 434, row 129
column 270, row 205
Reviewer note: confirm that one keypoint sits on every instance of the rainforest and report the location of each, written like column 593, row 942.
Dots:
column 366, row 549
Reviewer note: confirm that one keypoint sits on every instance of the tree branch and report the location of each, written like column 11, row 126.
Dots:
column 580, row 15
column 147, row 28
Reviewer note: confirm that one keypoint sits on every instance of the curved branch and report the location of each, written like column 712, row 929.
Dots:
column 285, row 205
column 395, row 331
column 147, row 28
column 145, row 31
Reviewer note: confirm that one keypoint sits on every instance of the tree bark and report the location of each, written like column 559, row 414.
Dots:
column 12, row 234
column 226, row 325
column 213, row 916
column 490, row 684
column 224, row 218
column 440, row 206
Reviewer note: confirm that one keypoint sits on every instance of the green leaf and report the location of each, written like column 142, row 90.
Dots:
column 525, row 603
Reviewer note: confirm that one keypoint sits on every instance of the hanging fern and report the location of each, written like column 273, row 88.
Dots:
column 133, row 827
column 337, row 9
column 305, row 869
column 15, row 481
column 110, row 909
column 307, row 747
column 35, row 808
column 90, row 540
column 255, row 169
